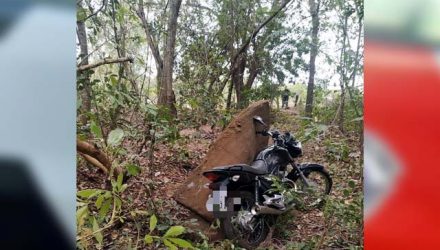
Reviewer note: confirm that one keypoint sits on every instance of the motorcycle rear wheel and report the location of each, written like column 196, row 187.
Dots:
column 247, row 238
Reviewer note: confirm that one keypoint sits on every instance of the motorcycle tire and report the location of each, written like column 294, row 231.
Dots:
column 325, row 189
column 232, row 230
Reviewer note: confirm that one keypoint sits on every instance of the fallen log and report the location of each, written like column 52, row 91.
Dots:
column 92, row 150
column 96, row 157
column 94, row 162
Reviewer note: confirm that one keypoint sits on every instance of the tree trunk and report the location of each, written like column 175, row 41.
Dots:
column 358, row 46
column 343, row 80
column 120, row 49
column 223, row 85
column 254, row 61
column 239, row 55
column 152, row 44
column 253, row 73
column 229, row 99
column 166, row 93
column 237, row 79
column 86, row 92
column 314, row 11
column 356, row 65
column 341, row 109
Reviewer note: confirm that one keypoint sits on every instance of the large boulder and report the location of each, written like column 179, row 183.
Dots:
column 238, row 143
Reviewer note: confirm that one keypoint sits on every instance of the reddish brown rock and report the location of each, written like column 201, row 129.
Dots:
column 238, row 143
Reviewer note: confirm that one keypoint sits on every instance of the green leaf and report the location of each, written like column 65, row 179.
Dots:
column 81, row 14
column 81, row 214
column 119, row 181
column 113, row 79
column 123, row 187
column 153, row 222
column 148, row 239
column 88, row 193
column 169, row 244
column 133, row 170
column 99, row 201
column 174, row 231
column 105, row 207
column 115, row 137
column 351, row 184
column 98, row 235
column 181, row 243
column 118, row 203
column 96, row 130
column 107, row 194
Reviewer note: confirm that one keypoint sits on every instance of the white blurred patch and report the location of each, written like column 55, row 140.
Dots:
column 37, row 102
column 381, row 172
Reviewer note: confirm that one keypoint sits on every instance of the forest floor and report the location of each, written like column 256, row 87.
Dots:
column 151, row 191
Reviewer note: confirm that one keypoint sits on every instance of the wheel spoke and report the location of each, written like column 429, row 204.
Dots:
column 314, row 193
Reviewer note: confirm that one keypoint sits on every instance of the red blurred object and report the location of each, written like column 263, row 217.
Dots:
column 212, row 176
column 402, row 106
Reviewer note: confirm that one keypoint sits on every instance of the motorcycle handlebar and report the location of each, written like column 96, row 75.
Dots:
column 274, row 134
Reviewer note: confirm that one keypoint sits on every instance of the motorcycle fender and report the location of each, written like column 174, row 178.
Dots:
column 306, row 169
column 309, row 167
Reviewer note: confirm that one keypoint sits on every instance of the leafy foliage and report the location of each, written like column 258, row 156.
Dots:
column 93, row 211
column 169, row 239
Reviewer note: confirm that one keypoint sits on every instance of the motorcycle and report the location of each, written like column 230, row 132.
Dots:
column 243, row 197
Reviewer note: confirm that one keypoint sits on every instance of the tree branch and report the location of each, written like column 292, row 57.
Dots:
column 248, row 41
column 94, row 162
column 150, row 39
column 104, row 3
column 255, row 33
column 200, row 6
column 81, row 68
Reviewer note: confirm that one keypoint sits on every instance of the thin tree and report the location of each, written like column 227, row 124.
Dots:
column 238, row 56
column 165, row 60
column 314, row 11
column 85, row 92
column 347, row 11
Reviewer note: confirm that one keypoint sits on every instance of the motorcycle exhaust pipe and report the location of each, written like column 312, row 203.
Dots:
column 257, row 209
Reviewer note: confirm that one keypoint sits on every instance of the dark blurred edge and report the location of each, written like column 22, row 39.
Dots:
column 26, row 222
column 398, row 37
column 26, row 219
column 11, row 10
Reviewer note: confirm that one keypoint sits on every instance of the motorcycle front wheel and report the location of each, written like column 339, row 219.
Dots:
column 319, row 186
column 242, row 227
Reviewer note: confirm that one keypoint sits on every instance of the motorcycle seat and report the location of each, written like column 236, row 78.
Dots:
column 258, row 168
